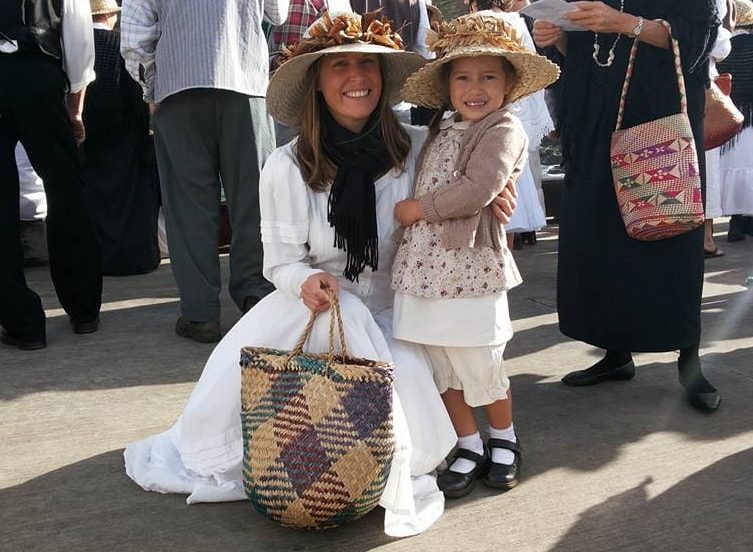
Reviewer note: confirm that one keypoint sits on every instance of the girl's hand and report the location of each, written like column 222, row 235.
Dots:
column 600, row 18
column 313, row 291
column 408, row 212
column 548, row 34
column 503, row 206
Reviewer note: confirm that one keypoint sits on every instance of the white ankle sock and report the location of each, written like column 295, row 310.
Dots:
column 503, row 456
column 472, row 443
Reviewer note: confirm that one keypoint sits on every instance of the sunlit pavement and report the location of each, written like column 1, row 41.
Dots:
column 621, row 466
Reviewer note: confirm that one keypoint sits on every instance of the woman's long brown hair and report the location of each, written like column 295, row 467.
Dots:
column 317, row 168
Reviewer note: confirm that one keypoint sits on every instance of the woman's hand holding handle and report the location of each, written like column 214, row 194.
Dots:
column 313, row 291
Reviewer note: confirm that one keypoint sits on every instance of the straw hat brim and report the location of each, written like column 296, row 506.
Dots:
column 287, row 88
column 744, row 15
column 104, row 11
column 428, row 88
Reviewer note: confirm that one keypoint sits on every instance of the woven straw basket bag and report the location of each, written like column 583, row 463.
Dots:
column 317, row 431
column 655, row 168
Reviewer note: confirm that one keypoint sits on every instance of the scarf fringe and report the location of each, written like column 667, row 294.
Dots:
column 361, row 250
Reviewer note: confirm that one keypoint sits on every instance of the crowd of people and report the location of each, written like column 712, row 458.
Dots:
column 329, row 189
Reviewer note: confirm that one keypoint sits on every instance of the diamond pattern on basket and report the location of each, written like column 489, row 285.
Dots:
column 317, row 433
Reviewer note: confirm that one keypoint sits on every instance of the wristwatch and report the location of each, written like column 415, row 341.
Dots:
column 638, row 29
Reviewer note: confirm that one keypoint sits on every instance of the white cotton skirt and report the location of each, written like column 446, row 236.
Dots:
column 202, row 454
column 737, row 175
column 529, row 214
column 713, row 184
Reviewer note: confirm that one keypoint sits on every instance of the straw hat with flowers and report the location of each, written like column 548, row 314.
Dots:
column 102, row 7
column 336, row 34
column 743, row 13
column 471, row 36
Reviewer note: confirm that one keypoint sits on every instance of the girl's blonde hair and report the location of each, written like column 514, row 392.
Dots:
column 317, row 168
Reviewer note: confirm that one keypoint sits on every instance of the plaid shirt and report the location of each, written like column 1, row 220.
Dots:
column 301, row 14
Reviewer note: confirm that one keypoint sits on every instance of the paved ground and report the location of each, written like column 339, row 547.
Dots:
column 625, row 466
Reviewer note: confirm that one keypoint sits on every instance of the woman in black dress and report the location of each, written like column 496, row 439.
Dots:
column 615, row 292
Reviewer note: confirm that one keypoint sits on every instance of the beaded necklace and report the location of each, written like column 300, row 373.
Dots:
column 597, row 47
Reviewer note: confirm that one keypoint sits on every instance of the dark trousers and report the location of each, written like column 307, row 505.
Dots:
column 207, row 138
column 32, row 111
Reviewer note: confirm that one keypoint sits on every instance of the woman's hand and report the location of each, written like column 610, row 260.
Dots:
column 600, row 18
column 503, row 206
column 408, row 212
column 313, row 291
column 547, row 34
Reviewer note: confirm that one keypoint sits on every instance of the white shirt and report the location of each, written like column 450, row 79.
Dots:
column 298, row 240
column 723, row 45
column 175, row 45
column 77, row 40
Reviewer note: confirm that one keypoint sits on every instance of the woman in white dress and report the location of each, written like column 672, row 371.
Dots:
column 337, row 182
column 721, row 50
column 736, row 163
column 534, row 114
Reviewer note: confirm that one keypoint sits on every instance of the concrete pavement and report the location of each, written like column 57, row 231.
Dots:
column 622, row 466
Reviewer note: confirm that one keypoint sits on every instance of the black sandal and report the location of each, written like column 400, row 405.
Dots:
column 455, row 484
column 503, row 476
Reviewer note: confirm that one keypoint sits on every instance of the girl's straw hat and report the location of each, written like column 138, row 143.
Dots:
column 101, row 7
column 342, row 33
column 478, row 35
column 743, row 13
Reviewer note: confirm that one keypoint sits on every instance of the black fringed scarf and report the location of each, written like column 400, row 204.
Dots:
column 360, row 160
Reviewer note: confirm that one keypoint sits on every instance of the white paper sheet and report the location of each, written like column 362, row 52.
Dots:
column 552, row 11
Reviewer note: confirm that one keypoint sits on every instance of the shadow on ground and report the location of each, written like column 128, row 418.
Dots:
column 684, row 518
column 92, row 505
column 582, row 429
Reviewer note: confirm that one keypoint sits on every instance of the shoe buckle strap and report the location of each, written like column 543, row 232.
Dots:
column 504, row 444
column 469, row 455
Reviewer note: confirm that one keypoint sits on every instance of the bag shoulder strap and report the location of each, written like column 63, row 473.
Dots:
column 629, row 74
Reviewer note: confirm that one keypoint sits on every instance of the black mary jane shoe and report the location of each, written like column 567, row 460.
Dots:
column 503, row 476
column 583, row 378
column 455, row 484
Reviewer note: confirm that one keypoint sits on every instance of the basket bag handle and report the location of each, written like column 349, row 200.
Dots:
column 629, row 75
column 335, row 319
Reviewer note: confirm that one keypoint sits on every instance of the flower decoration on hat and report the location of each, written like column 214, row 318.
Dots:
column 345, row 28
column 474, row 31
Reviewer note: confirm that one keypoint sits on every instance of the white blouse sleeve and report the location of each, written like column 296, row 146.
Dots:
column 77, row 37
column 284, row 203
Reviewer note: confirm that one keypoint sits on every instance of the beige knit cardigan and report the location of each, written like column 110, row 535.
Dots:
column 493, row 151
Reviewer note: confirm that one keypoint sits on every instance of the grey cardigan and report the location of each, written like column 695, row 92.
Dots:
column 493, row 151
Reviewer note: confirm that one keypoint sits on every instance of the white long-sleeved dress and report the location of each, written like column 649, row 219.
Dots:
column 201, row 455
column 534, row 114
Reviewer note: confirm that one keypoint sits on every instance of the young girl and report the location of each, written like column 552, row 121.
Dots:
column 453, row 269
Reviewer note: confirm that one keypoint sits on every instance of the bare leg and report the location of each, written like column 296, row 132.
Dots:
column 708, row 236
column 499, row 413
column 460, row 413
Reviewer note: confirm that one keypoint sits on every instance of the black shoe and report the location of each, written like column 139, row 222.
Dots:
column 700, row 393
column 249, row 303
column 703, row 400
column 23, row 344
column 87, row 327
column 203, row 332
column 737, row 227
column 454, row 484
column 597, row 374
column 503, row 476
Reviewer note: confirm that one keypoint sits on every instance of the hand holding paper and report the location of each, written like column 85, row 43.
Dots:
column 552, row 11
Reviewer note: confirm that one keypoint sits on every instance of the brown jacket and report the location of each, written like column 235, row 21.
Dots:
column 493, row 151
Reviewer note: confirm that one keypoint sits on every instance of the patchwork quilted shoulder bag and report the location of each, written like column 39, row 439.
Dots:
column 655, row 167
column 317, row 431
